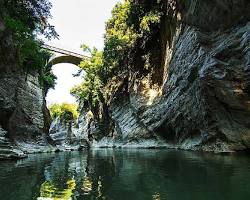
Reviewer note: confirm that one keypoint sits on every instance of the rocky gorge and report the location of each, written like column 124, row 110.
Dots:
column 201, row 102
column 204, row 100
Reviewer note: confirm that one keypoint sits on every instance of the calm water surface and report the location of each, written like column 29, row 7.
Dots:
column 126, row 175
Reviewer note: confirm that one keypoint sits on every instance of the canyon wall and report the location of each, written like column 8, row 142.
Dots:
column 201, row 101
column 204, row 101
column 24, row 118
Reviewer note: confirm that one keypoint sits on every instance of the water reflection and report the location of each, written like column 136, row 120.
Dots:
column 126, row 175
column 87, row 185
column 156, row 196
column 50, row 192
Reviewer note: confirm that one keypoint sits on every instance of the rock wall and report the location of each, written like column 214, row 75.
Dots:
column 69, row 135
column 205, row 105
column 212, row 15
column 23, row 112
column 205, row 99
column 24, row 118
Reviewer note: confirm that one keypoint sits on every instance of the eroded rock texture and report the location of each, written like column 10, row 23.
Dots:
column 24, row 118
column 205, row 98
column 23, row 112
column 7, row 150
column 205, row 105
column 69, row 135
column 216, row 14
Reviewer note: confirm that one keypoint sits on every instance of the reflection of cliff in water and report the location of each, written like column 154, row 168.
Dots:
column 145, row 174
column 126, row 174
column 76, row 175
column 21, row 179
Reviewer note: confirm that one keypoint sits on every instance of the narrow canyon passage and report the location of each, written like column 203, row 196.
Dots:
column 124, row 99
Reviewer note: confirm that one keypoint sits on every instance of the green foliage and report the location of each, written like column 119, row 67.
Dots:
column 119, row 37
column 47, row 78
column 132, row 24
column 31, row 14
column 26, row 20
column 64, row 111
column 89, row 90
column 149, row 19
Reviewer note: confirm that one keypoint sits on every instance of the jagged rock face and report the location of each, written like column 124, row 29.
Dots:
column 60, row 131
column 70, row 135
column 7, row 151
column 8, row 54
column 215, row 14
column 23, row 114
column 205, row 101
column 127, row 126
column 205, row 105
column 128, row 129
column 22, row 111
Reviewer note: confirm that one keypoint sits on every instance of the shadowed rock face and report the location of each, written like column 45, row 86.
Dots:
column 7, row 151
column 23, row 111
column 212, row 15
column 205, row 105
column 8, row 53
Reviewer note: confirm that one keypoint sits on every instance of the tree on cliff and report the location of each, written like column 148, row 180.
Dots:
column 26, row 20
column 30, row 16
column 127, row 42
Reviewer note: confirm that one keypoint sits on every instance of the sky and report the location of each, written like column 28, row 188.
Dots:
column 77, row 22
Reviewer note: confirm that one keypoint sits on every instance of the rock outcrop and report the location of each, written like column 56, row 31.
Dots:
column 23, row 111
column 68, row 135
column 205, row 105
column 7, row 150
column 24, row 118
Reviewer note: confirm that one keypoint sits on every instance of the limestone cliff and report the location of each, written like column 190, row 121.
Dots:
column 24, row 119
column 195, row 96
column 203, row 103
column 68, row 134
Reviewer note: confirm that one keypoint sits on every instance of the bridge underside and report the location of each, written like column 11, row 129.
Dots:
column 65, row 59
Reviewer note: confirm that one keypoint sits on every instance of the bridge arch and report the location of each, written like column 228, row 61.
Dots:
column 64, row 73
column 64, row 56
column 65, row 59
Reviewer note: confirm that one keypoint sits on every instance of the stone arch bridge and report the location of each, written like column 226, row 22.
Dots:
column 64, row 56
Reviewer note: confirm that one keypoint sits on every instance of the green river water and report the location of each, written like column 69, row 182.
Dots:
column 127, row 175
